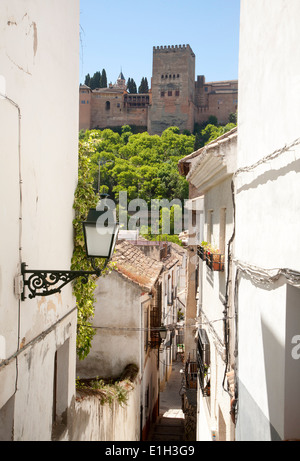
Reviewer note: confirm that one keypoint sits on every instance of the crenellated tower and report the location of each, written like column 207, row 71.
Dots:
column 173, row 88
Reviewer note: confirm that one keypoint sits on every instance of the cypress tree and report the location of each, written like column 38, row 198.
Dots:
column 103, row 79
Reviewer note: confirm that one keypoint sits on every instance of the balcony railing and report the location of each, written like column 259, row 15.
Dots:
column 191, row 375
column 214, row 260
column 203, row 362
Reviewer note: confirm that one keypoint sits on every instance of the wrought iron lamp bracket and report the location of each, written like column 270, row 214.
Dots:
column 49, row 282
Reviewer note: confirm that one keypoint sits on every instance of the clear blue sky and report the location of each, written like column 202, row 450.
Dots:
column 120, row 34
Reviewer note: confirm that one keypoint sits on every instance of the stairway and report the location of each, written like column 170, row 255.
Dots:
column 168, row 429
column 170, row 423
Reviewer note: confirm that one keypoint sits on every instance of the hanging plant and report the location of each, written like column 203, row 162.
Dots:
column 85, row 198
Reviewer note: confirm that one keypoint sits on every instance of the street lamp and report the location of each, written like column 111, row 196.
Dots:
column 163, row 332
column 100, row 242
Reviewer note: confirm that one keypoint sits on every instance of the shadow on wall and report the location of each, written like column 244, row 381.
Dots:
column 252, row 423
column 282, row 383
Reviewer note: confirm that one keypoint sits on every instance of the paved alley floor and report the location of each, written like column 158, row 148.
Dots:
column 170, row 424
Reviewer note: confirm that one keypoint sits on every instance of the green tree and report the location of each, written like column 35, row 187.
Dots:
column 103, row 83
column 87, row 80
column 144, row 88
column 95, row 81
column 232, row 118
column 131, row 86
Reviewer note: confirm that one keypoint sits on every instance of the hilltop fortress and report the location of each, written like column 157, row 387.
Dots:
column 175, row 98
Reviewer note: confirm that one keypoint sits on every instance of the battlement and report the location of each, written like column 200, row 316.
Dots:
column 167, row 48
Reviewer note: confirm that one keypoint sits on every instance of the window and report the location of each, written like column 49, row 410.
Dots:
column 107, row 105
column 203, row 360
column 177, row 75
column 162, row 94
column 82, row 102
column 169, row 93
column 177, row 93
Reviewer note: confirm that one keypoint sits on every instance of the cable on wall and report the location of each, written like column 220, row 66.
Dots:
column 257, row 275
column 14, row 104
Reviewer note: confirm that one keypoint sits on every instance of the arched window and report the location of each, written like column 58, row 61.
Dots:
column 107, row 105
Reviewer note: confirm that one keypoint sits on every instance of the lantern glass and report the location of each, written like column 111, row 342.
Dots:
column 100, row 241
column 163, row 332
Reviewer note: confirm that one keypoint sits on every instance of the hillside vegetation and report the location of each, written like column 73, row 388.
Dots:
column 143, row 165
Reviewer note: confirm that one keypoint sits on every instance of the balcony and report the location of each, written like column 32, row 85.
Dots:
column 191, row 375
column 203, row 362
column 214, row 259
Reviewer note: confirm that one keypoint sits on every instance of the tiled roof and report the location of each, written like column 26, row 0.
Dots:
column 134, row 265
column 226, row 137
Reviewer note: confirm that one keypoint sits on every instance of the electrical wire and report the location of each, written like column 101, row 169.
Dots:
column 153, row 329
column 256, row 274
column 13, row 103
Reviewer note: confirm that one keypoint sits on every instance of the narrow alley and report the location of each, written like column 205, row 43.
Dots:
column 170, row 424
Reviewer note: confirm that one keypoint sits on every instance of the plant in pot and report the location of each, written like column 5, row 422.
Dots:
column 203, row 249
column 217, row 260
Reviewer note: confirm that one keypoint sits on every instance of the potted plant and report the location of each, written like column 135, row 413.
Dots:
column 203, row 248
column 215, row 260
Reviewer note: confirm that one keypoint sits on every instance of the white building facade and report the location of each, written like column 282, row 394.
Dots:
column 211, row 169
column 267, row 191
column 39, row 53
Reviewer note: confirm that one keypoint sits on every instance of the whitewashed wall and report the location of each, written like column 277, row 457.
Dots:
column 267, row 224
column 96, row 422
column 39, row 54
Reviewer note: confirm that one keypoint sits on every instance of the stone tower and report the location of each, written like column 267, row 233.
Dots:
column 173, row 89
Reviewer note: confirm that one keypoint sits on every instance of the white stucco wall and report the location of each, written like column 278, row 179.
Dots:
column 39, row 54
column 212, row 296
column 118, row 321
column 95, row 422
column 267, row 224
column 120, row 341
column 269, row 98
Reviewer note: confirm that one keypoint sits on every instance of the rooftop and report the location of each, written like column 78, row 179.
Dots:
column 212, row 163
column 134, row 265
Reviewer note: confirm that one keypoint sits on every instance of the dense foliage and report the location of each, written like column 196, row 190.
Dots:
column 85, row 198
column 98, row 80
column 144, row 166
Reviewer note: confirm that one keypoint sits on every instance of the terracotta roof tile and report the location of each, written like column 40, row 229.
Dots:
column 133, row 264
